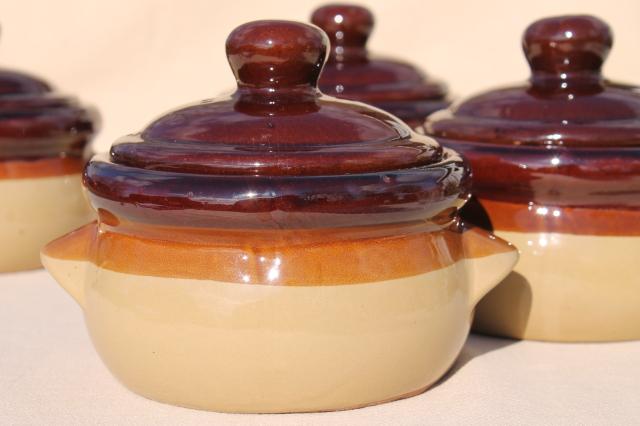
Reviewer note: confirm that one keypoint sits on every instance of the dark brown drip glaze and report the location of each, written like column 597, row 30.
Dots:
column 579, row 177
column 352, row 73
column 36, row 123
column 567, row 138
column 277, row 153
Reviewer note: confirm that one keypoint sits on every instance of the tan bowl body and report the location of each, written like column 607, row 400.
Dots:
column 567, row 288
column 576, row 280
column 33, row 212
column 259, row 347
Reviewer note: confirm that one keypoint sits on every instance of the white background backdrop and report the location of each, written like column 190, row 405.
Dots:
column 134, row 59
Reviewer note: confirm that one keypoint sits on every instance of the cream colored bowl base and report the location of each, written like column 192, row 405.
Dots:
column 265, row 348
column 567, row 288
column 33, row 212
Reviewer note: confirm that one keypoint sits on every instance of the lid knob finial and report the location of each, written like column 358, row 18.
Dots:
column 576, row 44
column 348, row 27
column 276, row 54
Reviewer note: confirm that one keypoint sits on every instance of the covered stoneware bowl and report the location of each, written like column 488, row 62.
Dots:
column 353, row 73
column 42, row 138
column 556, row 169
column 278, row 250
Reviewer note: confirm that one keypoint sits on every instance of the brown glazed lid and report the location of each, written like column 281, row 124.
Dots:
column 567, row 137
column 277, row 152
column 352, row 73
column 37, row 123
column 566, row 101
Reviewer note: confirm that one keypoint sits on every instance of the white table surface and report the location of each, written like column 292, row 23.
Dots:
column 50, row 374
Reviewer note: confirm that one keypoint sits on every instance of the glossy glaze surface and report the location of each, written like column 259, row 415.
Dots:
column 353, row 73
column 578, row 176
column 277, row 153
column 556, row 165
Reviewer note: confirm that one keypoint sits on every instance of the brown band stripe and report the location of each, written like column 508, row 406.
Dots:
column 517, row 217
column 282, row 261
column 41, row 167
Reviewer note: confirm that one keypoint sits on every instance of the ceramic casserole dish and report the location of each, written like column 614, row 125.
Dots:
column 556, row 166
column 42, row 139
column 278, row 250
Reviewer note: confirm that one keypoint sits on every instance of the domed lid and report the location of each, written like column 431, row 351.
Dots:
column 352, row 73
column 36, row 122
column 276, row 144
column 566, row 102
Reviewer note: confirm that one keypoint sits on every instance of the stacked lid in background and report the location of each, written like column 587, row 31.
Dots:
column 353, row 73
